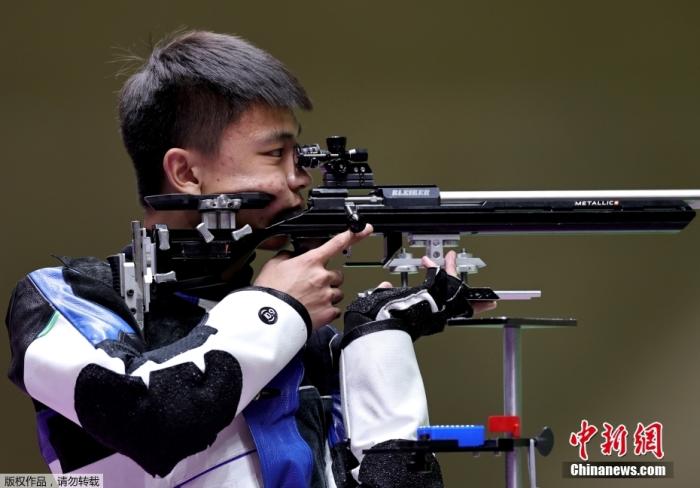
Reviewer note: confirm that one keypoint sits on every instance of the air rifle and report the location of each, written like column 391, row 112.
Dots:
column 167, row 260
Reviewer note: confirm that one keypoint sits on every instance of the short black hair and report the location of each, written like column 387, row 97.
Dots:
column 191, row 87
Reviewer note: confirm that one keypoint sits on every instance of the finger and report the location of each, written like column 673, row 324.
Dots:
column 336, row 277
column 451, row 263
column 326, row 317
column 385, row 284
column 332, row 314
column 481, row 307
column 337, row 295
column 336, row 245
column 426, row 262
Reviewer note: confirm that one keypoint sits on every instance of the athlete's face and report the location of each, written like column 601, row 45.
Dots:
column 256, row 153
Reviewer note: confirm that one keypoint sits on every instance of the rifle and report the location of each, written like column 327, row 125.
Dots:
column 416, row 215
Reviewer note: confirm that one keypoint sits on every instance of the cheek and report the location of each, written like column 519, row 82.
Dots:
column 275, row 185
column 280, row 193
column 221, row 184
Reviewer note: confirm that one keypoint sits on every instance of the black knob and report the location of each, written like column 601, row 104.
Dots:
column 336, row 144
column 358, row 155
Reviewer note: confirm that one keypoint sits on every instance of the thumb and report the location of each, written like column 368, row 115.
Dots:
column 451, row 263
column 426, row 262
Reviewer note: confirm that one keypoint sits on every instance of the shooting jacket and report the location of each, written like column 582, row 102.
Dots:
column 236, row 392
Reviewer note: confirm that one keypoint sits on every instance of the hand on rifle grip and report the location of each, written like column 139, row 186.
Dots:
column 306, row 277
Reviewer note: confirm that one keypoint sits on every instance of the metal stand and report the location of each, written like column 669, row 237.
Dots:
column 512, row 395
column 512, row 372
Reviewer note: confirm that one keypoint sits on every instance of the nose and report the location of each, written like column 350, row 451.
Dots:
column 298, row 178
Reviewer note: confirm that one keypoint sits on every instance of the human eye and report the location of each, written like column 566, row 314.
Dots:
column 275, row 153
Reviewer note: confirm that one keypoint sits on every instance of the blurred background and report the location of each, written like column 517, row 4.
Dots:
column 466, row 95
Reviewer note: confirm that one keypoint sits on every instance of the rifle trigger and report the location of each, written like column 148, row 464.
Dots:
column 354, row 221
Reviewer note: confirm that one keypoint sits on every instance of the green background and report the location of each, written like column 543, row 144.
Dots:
column 467, row 95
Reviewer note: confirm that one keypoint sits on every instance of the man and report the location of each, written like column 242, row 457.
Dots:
column 211, row 394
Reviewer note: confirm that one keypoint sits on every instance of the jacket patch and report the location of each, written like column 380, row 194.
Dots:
column 95, row 322
column 268, row 315
column 28, row 315
column 179, row 414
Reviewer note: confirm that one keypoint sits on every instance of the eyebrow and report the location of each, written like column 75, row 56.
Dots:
column 280, row 135
column 277, row 136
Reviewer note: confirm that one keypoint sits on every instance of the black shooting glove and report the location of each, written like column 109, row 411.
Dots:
column 422, row 310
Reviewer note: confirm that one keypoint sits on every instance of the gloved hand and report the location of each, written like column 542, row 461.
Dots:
column 421, row 310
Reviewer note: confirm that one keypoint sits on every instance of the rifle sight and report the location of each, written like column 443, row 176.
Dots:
column 341, row 166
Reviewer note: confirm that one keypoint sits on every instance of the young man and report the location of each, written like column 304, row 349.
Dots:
column 211, row 394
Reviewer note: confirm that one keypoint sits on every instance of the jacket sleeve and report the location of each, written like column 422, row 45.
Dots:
column 383, row 400
column 84, row 361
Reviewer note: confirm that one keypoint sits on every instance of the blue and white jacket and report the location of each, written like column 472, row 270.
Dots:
column 208, row 396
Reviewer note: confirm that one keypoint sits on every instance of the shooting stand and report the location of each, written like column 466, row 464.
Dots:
column 512, row 385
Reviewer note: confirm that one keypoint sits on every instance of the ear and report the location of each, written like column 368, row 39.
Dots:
column 181, row 168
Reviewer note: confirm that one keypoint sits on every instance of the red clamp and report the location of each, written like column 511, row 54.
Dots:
column 505, row 423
